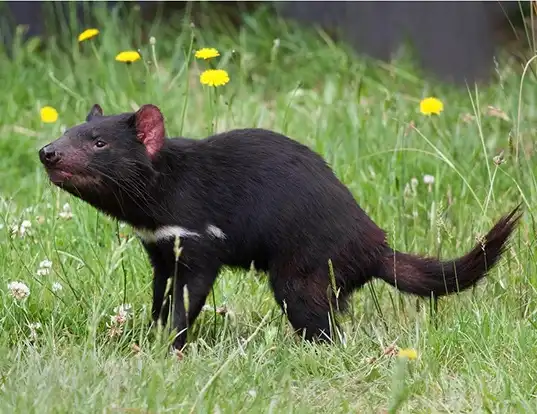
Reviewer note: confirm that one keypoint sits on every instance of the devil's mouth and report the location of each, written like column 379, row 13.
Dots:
column 59, row 176
column 72, row 179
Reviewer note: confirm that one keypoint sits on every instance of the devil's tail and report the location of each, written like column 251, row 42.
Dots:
column 432, row 277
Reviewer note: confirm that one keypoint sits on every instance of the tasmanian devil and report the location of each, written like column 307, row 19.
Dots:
column 241, row 197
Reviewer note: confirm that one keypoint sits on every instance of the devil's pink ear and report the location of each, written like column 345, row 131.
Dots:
column 150, row 128
column 95, row 110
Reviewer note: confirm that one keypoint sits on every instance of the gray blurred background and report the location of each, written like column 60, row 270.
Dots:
column 454, row 41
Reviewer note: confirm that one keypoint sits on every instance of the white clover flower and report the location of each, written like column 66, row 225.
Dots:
column 34, row 327
column 125, row 308
column 122, row 314
column 43, row 271
column 44, row 267
column 45, row 263
column 56, row 287
column 19, row 290
column 115, row 330
column 118, row 319
column 21, row 230
column 428, row 179
column 66, row 212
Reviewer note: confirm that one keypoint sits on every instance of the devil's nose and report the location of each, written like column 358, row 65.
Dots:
column 48, row 156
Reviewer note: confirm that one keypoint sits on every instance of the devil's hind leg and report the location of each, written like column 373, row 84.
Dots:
column 305, row 300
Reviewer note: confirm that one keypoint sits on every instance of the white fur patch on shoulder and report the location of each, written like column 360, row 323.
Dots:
column 216, row 232
column 165, row 233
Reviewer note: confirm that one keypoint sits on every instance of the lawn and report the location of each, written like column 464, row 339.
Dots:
column 477, row 352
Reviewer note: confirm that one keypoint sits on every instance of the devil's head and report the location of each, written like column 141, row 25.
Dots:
column 107, row 159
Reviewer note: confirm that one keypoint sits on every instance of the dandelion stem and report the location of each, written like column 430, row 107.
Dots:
column 130, row 78
column 96, row 52
column 64, row 87
column 187, row 65
column 214, row 111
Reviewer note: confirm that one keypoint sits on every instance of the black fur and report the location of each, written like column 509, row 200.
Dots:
column 278, row 203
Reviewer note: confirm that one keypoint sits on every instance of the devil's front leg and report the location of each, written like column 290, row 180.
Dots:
column 162, row 272
column 160, row 308
column 192, row 284
column 193, row 274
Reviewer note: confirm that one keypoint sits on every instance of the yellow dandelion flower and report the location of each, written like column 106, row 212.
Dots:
column 214, row 77
column 49, row 115
column 128, row 56
column 407, row 353
column 87, row 34
column 207, row 53
column 430, row 106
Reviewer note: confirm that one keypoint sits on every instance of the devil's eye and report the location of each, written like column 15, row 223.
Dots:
column 100, row 144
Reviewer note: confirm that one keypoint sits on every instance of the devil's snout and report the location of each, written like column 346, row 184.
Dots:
column 49, row 156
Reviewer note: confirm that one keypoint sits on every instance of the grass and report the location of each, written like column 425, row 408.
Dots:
column 477, row 353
